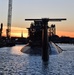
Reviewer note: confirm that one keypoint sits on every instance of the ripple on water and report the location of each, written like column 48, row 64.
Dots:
column 12, row 63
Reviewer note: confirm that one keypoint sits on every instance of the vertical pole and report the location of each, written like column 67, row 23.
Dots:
column 45, row 52
column 8, row 30
column 1, row 29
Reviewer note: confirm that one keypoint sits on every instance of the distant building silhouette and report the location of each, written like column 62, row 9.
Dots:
column 22, row 34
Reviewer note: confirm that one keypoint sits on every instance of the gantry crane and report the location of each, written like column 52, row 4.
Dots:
column 8, row 30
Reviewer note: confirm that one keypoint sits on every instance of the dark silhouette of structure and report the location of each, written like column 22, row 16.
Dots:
column 1, row 40
column 1, row 29
column 44, row 24
column 35, row 33
column 52, row 30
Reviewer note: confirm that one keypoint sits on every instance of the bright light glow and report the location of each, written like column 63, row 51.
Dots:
column 16, row 31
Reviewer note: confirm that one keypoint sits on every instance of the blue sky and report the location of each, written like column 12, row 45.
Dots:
column 23, row 9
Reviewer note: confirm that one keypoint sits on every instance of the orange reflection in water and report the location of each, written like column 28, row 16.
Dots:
column 16, row 50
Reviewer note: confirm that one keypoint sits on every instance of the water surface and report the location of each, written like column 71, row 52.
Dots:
column 14, row 62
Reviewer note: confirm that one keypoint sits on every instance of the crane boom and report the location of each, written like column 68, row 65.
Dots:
column 8, row 30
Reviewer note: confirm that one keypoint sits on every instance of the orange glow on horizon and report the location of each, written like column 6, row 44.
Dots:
column 65, row 33
column 16, row 31
column 19, row 34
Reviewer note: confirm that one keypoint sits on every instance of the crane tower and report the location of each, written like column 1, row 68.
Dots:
column 8, row 30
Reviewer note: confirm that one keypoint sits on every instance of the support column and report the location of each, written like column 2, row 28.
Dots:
column 45, row 52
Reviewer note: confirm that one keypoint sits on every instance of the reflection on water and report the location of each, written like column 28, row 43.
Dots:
column 16, row 50
column 45, row 68
column 14, row 62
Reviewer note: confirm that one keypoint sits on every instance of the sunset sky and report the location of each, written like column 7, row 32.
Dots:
column 23, row 9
